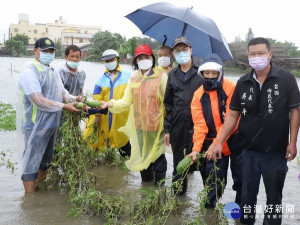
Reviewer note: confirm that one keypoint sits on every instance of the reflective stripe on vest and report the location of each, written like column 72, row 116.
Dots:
column 38, row 66
column 34, row 108
column 23, row 106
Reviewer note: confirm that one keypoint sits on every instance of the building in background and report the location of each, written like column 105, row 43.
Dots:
column 59, row 30
column 34, row 32
column 70, row 33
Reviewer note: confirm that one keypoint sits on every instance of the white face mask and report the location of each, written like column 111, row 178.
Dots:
column 111, row 65
column 164, row 61
column 145, row 64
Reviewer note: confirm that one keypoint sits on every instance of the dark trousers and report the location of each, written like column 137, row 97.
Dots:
column 221, row 173
column 210, row 179
column 272, row 166
column 179, row 155
column 209, row 174
column 157, row 170
column 236, row 173
column 125, row 151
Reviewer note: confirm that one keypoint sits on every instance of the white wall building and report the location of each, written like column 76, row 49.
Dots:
column 59, row 30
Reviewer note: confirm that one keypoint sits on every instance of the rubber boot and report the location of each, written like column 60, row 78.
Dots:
column 147, row 174
column 158, row 177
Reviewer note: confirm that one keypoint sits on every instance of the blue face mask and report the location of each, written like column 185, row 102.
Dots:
column 111, row 65
column 72, row 64
column 46, row 58
column 182, row 57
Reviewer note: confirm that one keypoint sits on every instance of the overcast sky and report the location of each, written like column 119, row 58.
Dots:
column 278, row 19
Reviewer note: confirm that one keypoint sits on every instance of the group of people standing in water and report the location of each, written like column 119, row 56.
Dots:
column 191, row 107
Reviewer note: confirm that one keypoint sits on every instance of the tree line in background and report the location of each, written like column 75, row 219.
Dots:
column 126, row 47
column 103, row 40
column 290, row 48
column 240, row 59
column 16, row 46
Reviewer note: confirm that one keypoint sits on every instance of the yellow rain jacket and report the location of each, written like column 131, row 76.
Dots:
column 107, row 133
column 144, row 95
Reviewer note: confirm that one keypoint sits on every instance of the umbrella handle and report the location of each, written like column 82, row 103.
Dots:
column 164, row 42
column 184, row 29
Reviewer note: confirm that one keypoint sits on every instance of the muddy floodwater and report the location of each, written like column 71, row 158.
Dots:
column 51, row 206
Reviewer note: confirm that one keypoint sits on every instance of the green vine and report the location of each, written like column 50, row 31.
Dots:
column 211, row 182
column 72, row 172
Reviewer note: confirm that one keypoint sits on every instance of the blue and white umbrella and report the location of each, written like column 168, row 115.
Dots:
column 165, row 22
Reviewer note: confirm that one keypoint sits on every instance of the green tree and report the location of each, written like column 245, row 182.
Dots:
column 131, row 44
column 58, row 47
column 102, row 41
column 249, row 35
column 17, row 45
column 152, row 43
column 290, row 48
column 16, row 48
column 124, row 50
column 22, row 37
column 107, row 40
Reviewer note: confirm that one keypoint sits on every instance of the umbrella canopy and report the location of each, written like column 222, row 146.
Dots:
column 165, row 22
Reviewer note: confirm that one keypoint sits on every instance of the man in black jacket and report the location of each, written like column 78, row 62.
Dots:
column 183, row 81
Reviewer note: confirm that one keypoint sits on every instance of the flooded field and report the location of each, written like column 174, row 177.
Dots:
column 51, row 207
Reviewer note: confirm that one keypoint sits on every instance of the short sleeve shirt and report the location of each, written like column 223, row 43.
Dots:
column 29, row 81
column 38, row 78
column 264, row 111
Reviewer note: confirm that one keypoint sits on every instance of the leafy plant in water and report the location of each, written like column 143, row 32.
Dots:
column 5, row 161
column 211, row 183
column 71, row 170
column 155, row 206
column 219, row 206
column 7, row 117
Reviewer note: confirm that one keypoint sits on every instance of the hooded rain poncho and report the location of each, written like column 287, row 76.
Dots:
column 144, row 96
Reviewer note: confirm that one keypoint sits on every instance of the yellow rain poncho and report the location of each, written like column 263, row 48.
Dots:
column 107, row 134
column 144, row 96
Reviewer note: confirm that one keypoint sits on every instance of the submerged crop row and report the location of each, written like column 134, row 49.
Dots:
column 72, row 171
